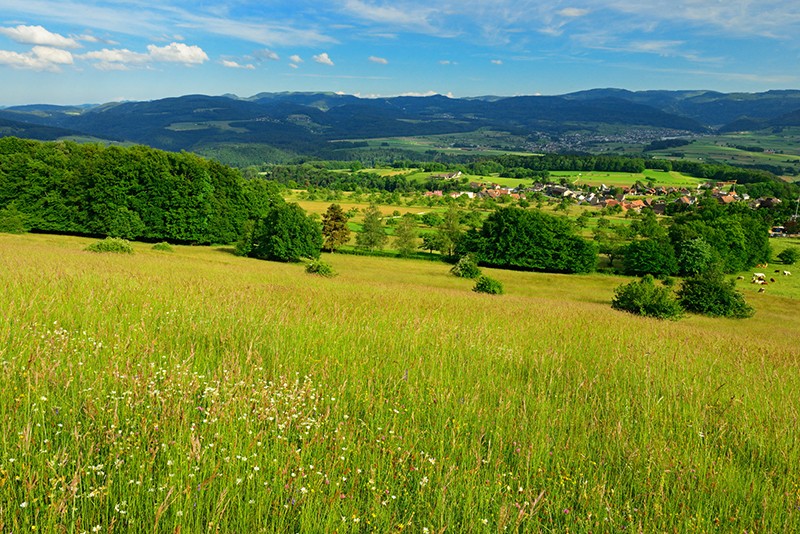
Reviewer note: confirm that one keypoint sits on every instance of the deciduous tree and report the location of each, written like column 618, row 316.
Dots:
column 334, row 227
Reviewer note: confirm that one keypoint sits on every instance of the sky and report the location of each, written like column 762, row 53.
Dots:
column 76, row 52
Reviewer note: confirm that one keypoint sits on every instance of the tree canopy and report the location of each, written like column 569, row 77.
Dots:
column 286, row 233
column 530, row 240
column 135, row 192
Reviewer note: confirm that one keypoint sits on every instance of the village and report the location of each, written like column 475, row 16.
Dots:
column 623, row 198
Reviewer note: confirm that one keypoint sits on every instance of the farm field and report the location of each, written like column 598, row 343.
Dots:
column 593, row 178
column 199, row 391
column 780, row 149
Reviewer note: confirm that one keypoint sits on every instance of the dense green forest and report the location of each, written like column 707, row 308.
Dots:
column 136, row 192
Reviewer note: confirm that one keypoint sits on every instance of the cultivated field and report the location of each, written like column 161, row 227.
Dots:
column 197, row 391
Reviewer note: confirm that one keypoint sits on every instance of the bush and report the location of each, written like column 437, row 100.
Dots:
column 712, row 294
column 466, row 268
column 484, row 284
column 320, row 268
column 163, row 247
column 644, row 297
column 111, row 244
column 790, row 255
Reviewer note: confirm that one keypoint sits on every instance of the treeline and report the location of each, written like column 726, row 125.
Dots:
column 711, row 236
column 135, row 193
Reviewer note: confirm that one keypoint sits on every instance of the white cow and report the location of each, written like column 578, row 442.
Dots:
column 787, row 273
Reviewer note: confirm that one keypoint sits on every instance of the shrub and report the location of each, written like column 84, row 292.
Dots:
column 111, row 244
column 320, row 268
column 466, row 268
column 644, row 297
column 712, row 294
column 484, row 284
column 163, row 247
column 790, row 255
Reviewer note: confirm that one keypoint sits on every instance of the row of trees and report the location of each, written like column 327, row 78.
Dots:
column 135, row 193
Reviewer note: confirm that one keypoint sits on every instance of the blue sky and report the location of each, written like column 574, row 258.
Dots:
column 73, row 52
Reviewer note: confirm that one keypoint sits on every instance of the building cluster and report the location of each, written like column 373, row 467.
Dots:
column 635, row 197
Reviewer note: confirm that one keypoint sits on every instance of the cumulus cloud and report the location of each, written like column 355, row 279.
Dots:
column 41, row 58
column 123, row 59
column 37, row 35
column 379, row 60
column 266, row 54
column 234, row 65
column 497, row 62
column 323, row 59
column 119, row 55
column 178, row 53
column 295, row 58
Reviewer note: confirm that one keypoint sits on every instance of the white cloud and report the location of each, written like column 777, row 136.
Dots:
column 294, row 65
column 404, row 14
column 379, row 60
column 41, row 58
column 37, row 35
column 295, row 59
column 178, row 53
column 119, row 55
column 235, row 65
column 497, row 62
column 266, row 54
column 123, row 59
column 573, row 12
column 323, row 59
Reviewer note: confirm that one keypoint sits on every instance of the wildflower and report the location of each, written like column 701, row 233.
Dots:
column 23, row 504
column 97, row 528
column 485, row 521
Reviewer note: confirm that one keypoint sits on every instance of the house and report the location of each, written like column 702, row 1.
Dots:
column 450, row 176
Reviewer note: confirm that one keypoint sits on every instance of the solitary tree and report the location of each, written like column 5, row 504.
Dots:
column 334, row 227
column 450, row 231
column 372, row 235
column 405, row 235
column 286, row 234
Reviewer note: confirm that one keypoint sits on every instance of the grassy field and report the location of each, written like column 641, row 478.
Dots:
column 780, row 149
column 198, row 391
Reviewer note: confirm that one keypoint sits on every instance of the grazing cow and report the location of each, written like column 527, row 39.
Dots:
column 740, row 277
column 772, row 280
column 777, row 270
column 762, row 289
column 759, row 276
column 787, row 273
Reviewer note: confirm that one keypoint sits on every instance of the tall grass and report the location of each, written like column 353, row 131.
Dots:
column 201, row 391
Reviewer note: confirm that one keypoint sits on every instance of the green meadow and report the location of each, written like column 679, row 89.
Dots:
column 197, row 391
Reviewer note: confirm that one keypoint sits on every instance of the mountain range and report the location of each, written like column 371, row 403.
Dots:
column 306, row 123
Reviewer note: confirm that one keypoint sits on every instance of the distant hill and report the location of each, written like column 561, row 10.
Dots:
column 28, row 130
column 306, row 123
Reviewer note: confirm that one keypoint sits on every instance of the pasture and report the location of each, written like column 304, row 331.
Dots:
column 198, row 391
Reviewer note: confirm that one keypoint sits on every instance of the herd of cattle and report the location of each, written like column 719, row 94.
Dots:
column 761, row 279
